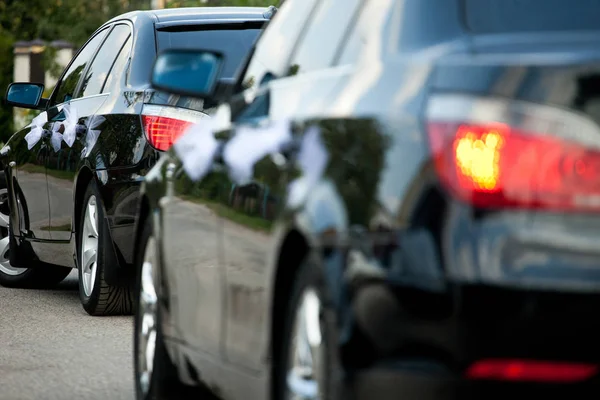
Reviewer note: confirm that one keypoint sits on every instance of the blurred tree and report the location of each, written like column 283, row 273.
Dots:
column 221, row 3
column 71, row 20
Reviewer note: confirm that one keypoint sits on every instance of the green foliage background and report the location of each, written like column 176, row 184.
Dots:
column 70, row 20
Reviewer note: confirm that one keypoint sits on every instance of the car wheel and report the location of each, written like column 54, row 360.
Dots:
column 154, row 373
column 10, row 276
column 97, row 296
column 308, row 358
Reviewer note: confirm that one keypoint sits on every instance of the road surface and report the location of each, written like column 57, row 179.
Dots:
column 51, row 349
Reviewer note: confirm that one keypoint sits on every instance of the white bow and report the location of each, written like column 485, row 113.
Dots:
column 196, row 149
column 70, row 124
column 37, row 130
column 92, row 133
column 56, row 138
column 312, row 158
column 250, row 145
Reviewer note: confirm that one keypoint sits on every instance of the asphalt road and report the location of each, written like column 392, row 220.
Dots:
column 51, row 349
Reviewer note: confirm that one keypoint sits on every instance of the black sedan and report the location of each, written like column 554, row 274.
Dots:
column 73, row 175
column 403, row 202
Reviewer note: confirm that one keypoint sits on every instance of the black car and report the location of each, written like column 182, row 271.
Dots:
column 73, row 176
column 427, row 228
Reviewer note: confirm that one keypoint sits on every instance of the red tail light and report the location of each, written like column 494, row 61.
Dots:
column 532, row 371
column 163, row 125
column 499, row 165
column 162, row 132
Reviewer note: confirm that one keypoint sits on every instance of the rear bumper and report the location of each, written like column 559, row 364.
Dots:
column 389, row 383
column 474, row 325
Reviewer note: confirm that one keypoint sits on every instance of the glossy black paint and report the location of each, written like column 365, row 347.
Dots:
column 51, row 184
column 424, row 285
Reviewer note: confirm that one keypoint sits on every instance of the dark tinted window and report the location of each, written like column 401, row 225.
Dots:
column 233, row 43
column 66, row 89
column 97, row 73
column 415, row 24
column 502, row 16
column 118, row 68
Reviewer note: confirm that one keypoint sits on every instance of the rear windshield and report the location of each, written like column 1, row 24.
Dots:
column 233, row 43
column 514, row 16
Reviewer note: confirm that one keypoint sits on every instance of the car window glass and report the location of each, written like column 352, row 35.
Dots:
column 98, row 71
column 419, row 24
column 326, row 30
column 66, row 88
column 503, row 16
column 275, row 45
column 118, row 68
column 233, row 43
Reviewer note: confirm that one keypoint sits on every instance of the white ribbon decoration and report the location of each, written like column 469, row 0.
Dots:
column 70, row 124
column 37, row 130
column 196, row 149
column 92, row 133
column 250, row 145
column 57, row 137
column 313, row 158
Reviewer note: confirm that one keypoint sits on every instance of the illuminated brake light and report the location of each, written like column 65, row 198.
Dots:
column 496, row 164
column 531, row 371
column 477, row 152
column 162, row 132
column 163, row 125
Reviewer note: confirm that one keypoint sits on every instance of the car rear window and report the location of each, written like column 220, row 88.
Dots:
column 233, row 42
column 514, row 16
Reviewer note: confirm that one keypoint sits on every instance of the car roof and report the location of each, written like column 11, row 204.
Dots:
column 175, row 15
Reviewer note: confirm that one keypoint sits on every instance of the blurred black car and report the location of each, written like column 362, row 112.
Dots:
column 448, row 251
column 76, row 205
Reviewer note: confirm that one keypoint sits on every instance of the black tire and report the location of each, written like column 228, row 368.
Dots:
column 45, row 277
column 36, row 278
column 311, row 276
column 164, row 382
column 103, row 299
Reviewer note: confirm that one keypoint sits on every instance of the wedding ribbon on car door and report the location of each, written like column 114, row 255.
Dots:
column 70, row 124
column 57, row 137
column 196, row 148
column 251, row 144
column 91, row 124
column 312, row 159
column 37, row 130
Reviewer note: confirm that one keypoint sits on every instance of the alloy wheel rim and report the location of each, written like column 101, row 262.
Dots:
column 148, row 309
column 89, row 246
column 305, row 365
column 5, row 266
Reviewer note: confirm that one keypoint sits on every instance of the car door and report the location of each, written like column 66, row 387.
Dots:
column 191, row 231
column 85, row 99
column 28, row 171
column 248, row 252
column 190, row 252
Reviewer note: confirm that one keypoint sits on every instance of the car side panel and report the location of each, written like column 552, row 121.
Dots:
column 189, row 248
column 25, row 171
column 250, row 262
column 119, row 159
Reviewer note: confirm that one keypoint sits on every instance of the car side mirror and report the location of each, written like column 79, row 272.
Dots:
column 187, row 73
column 25, row 95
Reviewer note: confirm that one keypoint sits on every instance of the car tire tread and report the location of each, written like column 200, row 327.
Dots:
column 105, row 299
